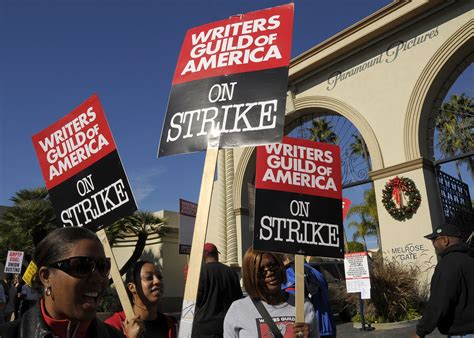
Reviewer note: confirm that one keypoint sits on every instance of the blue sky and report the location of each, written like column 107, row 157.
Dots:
column 54, row 54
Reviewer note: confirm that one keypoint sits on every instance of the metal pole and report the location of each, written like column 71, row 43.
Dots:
column 361, row 311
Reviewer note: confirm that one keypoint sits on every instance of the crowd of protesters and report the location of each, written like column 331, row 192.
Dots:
column 73, row 273
column 15, row 298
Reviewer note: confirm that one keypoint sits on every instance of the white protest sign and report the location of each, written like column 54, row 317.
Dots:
column 14, row 261
column 356, row 267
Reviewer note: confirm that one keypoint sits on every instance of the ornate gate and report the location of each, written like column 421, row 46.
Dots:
column 456, row 202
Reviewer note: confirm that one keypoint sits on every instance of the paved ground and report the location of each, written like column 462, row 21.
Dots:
column 348, row 330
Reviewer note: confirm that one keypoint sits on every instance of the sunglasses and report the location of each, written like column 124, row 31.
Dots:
column 262, row 271
column 82, row 267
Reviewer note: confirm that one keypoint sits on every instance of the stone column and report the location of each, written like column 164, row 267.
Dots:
column 221, row 230
column 231, row 225
column 403, row 240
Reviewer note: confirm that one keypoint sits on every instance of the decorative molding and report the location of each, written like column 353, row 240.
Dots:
column 418, row 103
column 402, row 168
column 290, row 101
column 355, row 36
column 239, row 177
column 335, row 105
column 231, row 224
column 221, row 226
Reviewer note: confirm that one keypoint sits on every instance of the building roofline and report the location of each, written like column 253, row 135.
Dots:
column 367, row 29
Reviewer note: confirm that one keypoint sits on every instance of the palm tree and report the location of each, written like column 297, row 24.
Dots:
column 140, row 224
column 321, row 131
column 363, row 228
column 354, row 246
column 455, row 125
column 359, row 148
column 367, row 211
column 27, row 222
column 32, row 217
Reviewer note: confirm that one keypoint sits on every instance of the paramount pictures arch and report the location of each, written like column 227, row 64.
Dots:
column 387, row 75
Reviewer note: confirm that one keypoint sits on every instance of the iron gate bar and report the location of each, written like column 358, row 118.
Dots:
column 454, row 158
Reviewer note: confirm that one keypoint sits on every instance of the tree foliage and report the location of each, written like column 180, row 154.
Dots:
column 141, row 224
column 27, row 222
column 321, row 131
column 355, row 246
column 455, row 125
column 368, row 223
column 32, row 217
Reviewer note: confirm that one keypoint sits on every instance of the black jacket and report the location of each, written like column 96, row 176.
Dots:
column 451, row 304
column 32, row 325
column 219, row 286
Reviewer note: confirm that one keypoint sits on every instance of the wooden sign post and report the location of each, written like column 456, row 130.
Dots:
column 229, row 98
column 299, row 292
column 199, row 236
column 116, row 277
column 72, row 184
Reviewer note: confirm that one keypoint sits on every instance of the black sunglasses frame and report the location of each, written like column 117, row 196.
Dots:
column 101, row 265
column 262, row 271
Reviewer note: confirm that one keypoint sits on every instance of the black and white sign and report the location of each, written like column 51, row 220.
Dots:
column 14, row 262
column 230, row 83
column 82, row 169
column 298, row 206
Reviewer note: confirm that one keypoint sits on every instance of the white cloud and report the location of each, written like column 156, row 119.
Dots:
column 143, row 183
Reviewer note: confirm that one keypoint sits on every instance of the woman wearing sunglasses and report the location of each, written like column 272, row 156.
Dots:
column 144, row 288
column 73, row 273
column 268, row 311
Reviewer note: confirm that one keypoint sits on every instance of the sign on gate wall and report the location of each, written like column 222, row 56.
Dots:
column 82, row 169
column 298, row 207
column 230, row 83
column 187, row 219
column 14, row 262
column 356, row 268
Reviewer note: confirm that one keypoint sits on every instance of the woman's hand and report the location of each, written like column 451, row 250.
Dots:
column 301, row 330
column 133, row 327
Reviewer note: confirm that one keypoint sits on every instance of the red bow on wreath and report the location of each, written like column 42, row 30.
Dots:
column 397, row 192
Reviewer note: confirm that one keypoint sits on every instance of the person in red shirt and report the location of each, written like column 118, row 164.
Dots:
column 144, row 288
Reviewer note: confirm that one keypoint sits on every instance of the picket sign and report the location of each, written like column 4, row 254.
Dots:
column 199, row 236
column 299, row 292
column 116, row 277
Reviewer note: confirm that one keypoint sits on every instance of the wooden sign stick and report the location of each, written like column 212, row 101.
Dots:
column 199, row 236
column 116, row 277
column 299, row 293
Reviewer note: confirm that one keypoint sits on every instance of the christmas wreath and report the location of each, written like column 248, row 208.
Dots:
column 393, row 198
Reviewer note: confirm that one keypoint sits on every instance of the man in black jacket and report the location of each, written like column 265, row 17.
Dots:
column 219, row 286
column 451, row 303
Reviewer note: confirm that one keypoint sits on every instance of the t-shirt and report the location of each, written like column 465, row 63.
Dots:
column 244, row 321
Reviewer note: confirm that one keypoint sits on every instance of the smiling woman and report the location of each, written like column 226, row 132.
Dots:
column 73, row 272
column 267, row 304
column 144, row 288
